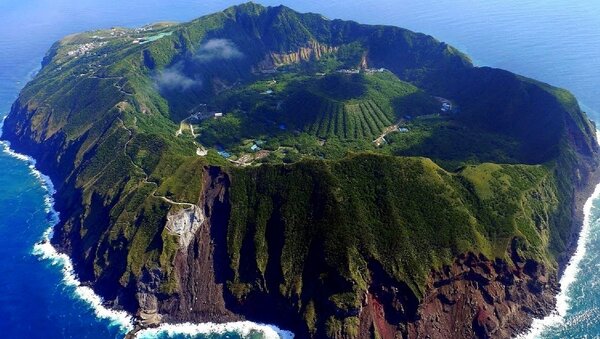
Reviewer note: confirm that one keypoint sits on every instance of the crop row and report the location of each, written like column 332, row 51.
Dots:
column 362, row 120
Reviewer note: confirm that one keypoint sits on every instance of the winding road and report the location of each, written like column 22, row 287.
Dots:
column 145, row 175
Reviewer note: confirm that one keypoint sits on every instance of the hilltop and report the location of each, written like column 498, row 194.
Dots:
column 337, row 179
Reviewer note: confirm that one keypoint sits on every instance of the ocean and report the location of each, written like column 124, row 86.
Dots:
column 556, row 41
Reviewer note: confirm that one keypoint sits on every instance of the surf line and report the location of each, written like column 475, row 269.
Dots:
column 570, row 274
column 124, row 321
column 244, row 328
column 44, row 250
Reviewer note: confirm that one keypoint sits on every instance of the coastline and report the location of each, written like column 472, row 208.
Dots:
column 442, row 25
column 568, row 269
column 571, row 259
column 44, row 250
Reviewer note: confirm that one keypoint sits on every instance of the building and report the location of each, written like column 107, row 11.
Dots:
column 349, row 71
column 218, row 115
column 224, row 154
column 446, row 107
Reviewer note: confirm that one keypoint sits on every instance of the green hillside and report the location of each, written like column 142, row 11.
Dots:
column 338, row 219
column 356, row 107
column 328, row 162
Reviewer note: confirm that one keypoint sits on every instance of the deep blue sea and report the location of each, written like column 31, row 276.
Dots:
column 556, row 41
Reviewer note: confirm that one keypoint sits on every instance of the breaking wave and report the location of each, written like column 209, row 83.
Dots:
column 557, row 317
column 124, row 321
column 246, row 329
column 45, row 250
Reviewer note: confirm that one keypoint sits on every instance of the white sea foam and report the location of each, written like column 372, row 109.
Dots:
column 45, row 181
column 244, row 328
column 557, row 317
column 122, row 319
column 7, row 150
column 45, row 250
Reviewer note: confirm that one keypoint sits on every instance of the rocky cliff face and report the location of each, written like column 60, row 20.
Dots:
column 480, row 298
column 473, row 298
column 201, row 266
column 366, row 246
column 314, row 51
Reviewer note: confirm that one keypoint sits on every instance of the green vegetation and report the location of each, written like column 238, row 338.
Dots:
column 342, row 162
column 337, row 217
column 406, row 213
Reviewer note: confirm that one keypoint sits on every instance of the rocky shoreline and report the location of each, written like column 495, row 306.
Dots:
column 476, row 297
column 499, row 301
column 511, row 297
column 324, row 251
column 581, row 197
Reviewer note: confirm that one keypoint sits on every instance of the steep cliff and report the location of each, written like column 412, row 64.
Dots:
column 353, row 206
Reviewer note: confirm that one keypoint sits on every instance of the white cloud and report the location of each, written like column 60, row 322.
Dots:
column 215, row 49
column 173, row 78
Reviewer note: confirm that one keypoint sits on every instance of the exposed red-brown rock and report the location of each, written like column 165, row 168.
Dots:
column 473, row 298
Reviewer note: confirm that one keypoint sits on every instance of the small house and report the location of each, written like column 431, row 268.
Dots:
column 224, row 154
column 254, row 148
column 402, row 129
column 218, row 115
column 446, row 106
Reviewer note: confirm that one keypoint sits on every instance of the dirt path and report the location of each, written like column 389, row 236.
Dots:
column 116, row 84
column 381, row 139
column 145, row 175
column 183, row 123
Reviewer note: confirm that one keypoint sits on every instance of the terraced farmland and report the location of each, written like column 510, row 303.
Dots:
column 296, row 111
column 362, row 120
column 345, row 120
column 351, row 114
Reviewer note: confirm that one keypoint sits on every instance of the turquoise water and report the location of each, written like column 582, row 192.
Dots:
column 553, row 40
